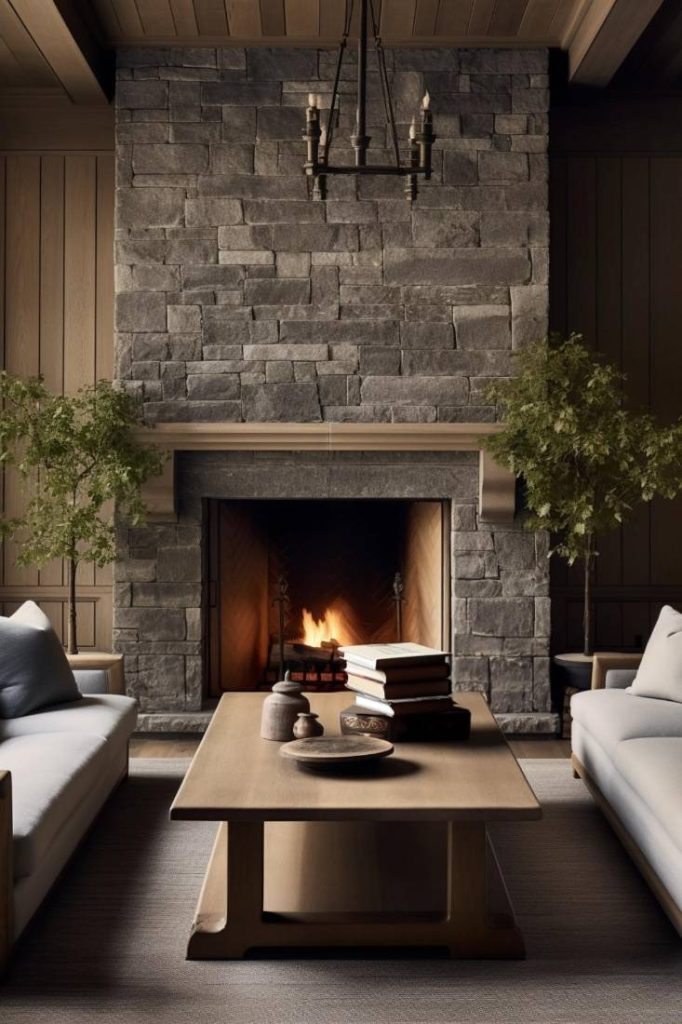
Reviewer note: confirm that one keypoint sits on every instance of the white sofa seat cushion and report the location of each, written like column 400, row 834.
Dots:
column 52, row 773
column 109, row 716
column 653, row 768
column 612, row 716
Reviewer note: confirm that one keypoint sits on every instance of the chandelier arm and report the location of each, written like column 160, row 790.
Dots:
column 388, row 104
column 337, row 78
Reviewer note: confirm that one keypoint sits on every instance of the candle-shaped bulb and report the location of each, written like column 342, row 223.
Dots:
column 323, row 137
column 413, row 130
column 312, row 100
column 426, row 101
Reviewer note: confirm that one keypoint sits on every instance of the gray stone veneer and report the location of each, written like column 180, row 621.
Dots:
column 239, row 299
column 500, row 603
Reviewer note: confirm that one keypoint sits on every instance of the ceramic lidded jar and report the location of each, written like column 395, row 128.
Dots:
column 307, row 725
column 281, row 708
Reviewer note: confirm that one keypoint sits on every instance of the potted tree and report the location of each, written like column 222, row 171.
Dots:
column 78, row 457
column 584, row 458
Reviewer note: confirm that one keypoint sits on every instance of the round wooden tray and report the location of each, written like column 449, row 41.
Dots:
column 325, row 753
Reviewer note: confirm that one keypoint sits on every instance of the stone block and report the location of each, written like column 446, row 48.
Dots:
column 511, row 684
column 286, row 403
column 179, row 565
column 460, row 168
column 279, row 371
column 150, row 346
column 282, row 211
column 465, row 266
column 184, row 319
column 200, row 278
column 529, row 307
column 369, row 332
column 316, row 237
column 456, row 229
column 152, row 278
column 340, row 211
column 427, row 335
column 238, row 124
column 515, row 550
column 470, row 673
column 232, row 159
column 212, row 212
column 500, row 166
column 502, row 617
column 153, row 623
column 280, row 65
column 246, row 257
column 530, row 101
column 379, row 361
column 294, row 352
column 170, row 158
column 482, row 327
column 240, row 237
column 543, row 613
column 293, row 264
column 160, row 207
column 213, row 387
column 450, row 363
column 141, row 94
column 241, row 94
column 414, row 390
column 280, row 122
column 332, row 390
column 140, row 311
column 169, row 593
column 277, row 291
column 195, row 251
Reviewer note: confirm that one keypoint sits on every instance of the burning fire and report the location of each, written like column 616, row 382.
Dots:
column 332, row 626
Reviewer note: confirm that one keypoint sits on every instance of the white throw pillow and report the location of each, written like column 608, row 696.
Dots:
column 34, row 670
column 660, row 672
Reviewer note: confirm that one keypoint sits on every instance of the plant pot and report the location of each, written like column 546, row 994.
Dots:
column 574, row 670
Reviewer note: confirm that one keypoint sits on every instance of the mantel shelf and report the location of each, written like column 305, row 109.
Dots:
column 496, row 485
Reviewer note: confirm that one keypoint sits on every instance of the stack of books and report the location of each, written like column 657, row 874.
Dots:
column 402, row 691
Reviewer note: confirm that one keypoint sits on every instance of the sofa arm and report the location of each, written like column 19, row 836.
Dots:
column 620, row 678
column 602, row 663
column 6, row 874
column 92, row 680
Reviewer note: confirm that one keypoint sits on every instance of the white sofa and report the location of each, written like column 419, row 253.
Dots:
column 628, row 751
column 57, row 768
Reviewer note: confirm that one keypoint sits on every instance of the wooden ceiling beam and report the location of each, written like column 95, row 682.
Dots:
column 79, row 64
column 604, row 37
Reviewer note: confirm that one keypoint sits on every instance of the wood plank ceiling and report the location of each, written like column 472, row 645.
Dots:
column 415, row 22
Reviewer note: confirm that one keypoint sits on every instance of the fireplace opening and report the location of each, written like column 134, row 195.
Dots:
column 289, row 581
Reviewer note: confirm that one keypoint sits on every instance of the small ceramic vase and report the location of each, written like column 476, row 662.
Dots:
column 307, row 725
column 280, row 710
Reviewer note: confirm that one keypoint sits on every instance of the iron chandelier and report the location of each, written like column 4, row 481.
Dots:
column 319, row 139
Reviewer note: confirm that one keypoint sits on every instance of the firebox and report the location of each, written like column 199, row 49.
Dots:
column 290, row 581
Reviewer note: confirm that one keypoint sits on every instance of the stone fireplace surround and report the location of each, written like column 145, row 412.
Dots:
column 239, row 300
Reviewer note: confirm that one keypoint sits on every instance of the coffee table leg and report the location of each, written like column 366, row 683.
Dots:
column 230, row 908
column 480, row 917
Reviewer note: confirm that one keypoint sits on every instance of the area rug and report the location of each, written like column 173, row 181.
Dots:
column 109, row 944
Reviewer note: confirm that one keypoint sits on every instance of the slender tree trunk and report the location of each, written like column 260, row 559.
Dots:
column 587, row 597
column 73, row 640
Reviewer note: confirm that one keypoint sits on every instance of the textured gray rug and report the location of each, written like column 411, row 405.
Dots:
column 109, row 945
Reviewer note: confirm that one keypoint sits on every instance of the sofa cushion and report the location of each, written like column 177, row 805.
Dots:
column 107, row 715
column 34, row 671
column 660, row 672
column 51, row 774
column 615, row 715
column 653, row 768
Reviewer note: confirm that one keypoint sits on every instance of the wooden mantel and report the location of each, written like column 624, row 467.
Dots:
column 496, row 485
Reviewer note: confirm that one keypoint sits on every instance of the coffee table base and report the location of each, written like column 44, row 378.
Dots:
column 478, row 921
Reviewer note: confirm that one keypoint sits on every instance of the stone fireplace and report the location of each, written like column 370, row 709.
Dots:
column 242, row 302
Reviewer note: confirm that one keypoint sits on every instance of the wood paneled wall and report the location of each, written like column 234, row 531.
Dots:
column 616, row 273
column 56, row 296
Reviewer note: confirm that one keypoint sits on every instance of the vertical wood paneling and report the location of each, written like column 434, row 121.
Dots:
column 56, row 240
column 616, row 267
column 22, row 312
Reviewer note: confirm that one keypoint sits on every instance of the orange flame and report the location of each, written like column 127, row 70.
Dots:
column 332, row 626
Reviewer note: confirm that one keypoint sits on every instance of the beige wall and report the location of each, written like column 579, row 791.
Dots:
column 56, row 308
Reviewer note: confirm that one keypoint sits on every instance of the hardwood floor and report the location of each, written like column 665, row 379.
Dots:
column 184, row 746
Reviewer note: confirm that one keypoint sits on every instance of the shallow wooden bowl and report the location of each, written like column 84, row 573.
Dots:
column 325, row 753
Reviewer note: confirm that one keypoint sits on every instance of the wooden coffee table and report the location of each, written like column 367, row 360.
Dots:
column 364, row 849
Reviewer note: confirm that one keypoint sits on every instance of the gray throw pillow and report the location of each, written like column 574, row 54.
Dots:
column 34, row 671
